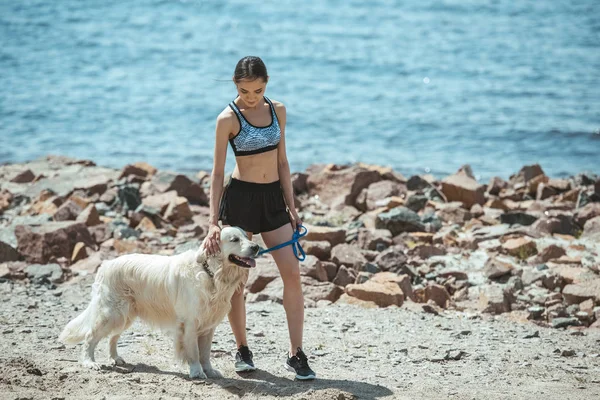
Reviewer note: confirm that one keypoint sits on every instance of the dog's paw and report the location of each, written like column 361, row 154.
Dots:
column 91, row 365
column 196, row 372
column 213, row 373
column 118, row 361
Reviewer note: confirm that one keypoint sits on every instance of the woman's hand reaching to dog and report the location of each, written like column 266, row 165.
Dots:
column 212, row 240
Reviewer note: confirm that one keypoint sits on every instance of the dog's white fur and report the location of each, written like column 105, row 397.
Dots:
column 170, row 292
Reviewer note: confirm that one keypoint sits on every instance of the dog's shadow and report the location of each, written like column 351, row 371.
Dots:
column 265, row 383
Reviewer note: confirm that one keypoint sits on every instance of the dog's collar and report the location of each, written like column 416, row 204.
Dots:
column 207, row 270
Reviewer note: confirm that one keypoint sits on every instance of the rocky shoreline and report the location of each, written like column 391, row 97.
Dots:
column 524, row 249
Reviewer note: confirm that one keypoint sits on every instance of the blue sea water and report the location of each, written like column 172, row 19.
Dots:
column 421, row 86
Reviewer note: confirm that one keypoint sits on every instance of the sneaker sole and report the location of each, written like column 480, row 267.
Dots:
column 244, row 368
column 300, row 377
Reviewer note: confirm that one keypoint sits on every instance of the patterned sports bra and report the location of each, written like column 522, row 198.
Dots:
column 255, row 139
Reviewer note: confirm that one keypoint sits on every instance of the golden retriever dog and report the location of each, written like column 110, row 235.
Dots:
column 188, row 293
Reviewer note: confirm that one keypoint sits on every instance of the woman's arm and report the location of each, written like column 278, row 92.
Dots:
column 284, row 168
column 223, row 129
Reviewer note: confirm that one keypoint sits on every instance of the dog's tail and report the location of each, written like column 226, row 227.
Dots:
column 80, row 326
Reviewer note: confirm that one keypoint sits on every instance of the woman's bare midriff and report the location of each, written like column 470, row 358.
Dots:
column 258, row 168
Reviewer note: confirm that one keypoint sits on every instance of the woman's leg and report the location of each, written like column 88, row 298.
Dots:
column 289, row 268
column 237, row 314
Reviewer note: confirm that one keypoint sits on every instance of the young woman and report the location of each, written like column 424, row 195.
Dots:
column 259, row 199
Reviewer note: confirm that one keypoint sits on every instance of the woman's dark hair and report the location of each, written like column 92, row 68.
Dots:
column 250, row 68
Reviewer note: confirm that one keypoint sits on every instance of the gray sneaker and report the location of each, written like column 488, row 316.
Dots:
column 243, row 360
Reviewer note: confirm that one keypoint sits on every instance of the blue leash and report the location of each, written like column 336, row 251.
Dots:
column 300, row 231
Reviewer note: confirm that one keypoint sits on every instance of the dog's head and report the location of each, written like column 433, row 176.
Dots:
column 237, row 249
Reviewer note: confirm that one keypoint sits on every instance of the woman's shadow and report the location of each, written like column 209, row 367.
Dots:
column 265, row 383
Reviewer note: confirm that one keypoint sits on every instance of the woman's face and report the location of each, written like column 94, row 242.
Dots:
column 251, row 91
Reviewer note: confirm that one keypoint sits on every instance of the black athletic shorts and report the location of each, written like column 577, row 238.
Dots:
column 254, row 207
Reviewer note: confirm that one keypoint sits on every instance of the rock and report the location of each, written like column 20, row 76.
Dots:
column 376, row 239
column 398, row 220
column 417, row 183
column 383, row 294
column 493, row 300
column 496, row 185
column 336, row 185
column 312, row 267
column 88, row 265
column 586, row 213
column 299, row 182
column 127, row 246
column 273, row 291
column 591, row 229
column 438, row 294
column 403, row 281
column 40, row 274
column 68, row 211
column 344, row 276
column 535, row 312
column 6, row 199
column 576, row 293
column 454, row 213
column 426, row 251
column 348, row 255
column 381, row 190
column 160, row 201
column 565, row 322
column 8, row 253
column 166, row 181
column 146, row 225
column 460, row 187
column 521, row 248
column 416, row 202
column 496, row 268
column 334, row 236
column 178, row 212
column 24, row 177
column 79, row 252
column 89, row 216
column 518, row 218
column 392, row 259
column 140, row 169
column 526, row 174
column 320, row 249
column 317, row 291
column 550, row 252
column 260, row 276
column 560, row 223
column 40, row 244
column 331, row 268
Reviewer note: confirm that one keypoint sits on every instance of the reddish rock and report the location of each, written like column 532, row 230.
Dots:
column 334, row 236
column 579, row 292
column 260, row 276
column 41, row 244
column 591, row 229
column 178, row 211
column 161, row 201
column 344, row 276
column 320, row 249
column 6, row 199
column 24, row 177
column 313, row 267
column 331, row 268
column 140, row 169
column 495, row 268
column 374, row 239
column 383, row 294
column 336, row 185
column 299, row 182
column 146, row 225
column 69, row 211
column 551, row 252
column 426, row 251
column 403, row 281
column 380, row 190
column 438, row 294
column 348, row 255
column 315, row 290
column 526, row 173
column 589, row 211
column 8, row 253
column 165, row 182
column 89, row 216
column 126, row 246
column 79, row 252
column 544, row 192
column 88, row 265
column 454, row 213
column 521, row 248
column 496, row 185
column 463, row 188
column 493, row 299
column 392, row 259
